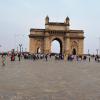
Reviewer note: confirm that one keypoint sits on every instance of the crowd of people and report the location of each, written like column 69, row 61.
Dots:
column 46, row 57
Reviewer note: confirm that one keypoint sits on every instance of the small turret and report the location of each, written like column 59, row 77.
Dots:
column 46, row 20
column 67, row 22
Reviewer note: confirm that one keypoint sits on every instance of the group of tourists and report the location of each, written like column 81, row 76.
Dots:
column 41, row 56
column 36, row 56
column 13, row 56
column 46, row 57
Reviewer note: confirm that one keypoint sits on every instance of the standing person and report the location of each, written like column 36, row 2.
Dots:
column 19, row 56
column 3, row 59
column 50, row 55
column 95, row 58
column 12, row 57
column 89, row 58
column 46, row 57
column 65, row 56
column 34, row 57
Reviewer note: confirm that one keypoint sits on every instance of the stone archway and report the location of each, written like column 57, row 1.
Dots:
column 59, row 31
column 60, row 45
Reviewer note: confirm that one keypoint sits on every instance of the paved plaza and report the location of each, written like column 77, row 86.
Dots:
column 51, row 80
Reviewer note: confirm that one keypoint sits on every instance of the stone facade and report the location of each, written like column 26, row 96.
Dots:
column 71, row 41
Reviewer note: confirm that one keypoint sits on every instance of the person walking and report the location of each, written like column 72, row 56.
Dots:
column 3, row 60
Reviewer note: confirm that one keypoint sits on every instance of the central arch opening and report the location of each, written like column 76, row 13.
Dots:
column 38, row 50
column 56, row 46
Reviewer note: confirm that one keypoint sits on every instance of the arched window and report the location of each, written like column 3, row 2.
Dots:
column 74, row 51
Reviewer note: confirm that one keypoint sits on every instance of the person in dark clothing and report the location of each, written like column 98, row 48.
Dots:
column 19, row 56
column 46, row 57
column 33, row 57
column 12, row 57
column 89, row 59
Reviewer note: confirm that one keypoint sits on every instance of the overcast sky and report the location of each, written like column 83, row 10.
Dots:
column 18, row 16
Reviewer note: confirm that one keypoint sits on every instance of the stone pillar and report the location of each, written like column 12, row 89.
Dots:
column 67, row 44
column 46, row 45
column 81, row 47
column 31, row 46
column 42, row 46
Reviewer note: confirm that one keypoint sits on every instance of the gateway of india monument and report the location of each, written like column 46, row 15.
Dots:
column 71, row 41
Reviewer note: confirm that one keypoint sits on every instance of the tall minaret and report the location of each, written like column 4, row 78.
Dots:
column 67, row 22
column 46, row 20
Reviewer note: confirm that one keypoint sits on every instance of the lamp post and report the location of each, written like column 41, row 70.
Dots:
column 99, row 45
column 0, row 46
column 20, row 45
column 25, row 49
column 22, row 49
column 97, row 51
column 88, row 52
column 17, row 49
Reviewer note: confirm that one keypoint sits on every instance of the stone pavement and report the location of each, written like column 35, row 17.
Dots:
column 51, row 80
